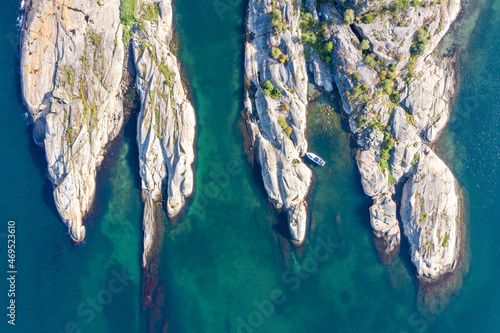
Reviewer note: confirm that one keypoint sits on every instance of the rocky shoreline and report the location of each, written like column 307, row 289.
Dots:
column 166, row 126
column 275, row 101
column 397, row 95
column 72, row 61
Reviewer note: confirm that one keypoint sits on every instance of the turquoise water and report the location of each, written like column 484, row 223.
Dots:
column 225, row 266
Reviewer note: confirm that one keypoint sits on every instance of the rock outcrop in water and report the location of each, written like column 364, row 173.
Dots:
column 397, row 96
column 166, row 126
column 71, row 69
column 275, row 105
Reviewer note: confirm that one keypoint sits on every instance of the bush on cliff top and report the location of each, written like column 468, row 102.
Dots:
column 276, row 21
column 270, row 90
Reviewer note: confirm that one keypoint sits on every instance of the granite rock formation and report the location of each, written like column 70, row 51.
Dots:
column 275, row 106
column 397, row 96
column 71, row 69
column 166, row 125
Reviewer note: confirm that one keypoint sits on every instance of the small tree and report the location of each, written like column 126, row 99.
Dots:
column 368, row 19
column 370, row 60
column 349, row 16
column 275, row 53
column 364, row 45
column 275, row 16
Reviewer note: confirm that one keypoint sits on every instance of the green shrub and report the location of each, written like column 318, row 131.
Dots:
column 394, row 96
column 364, row 45
column 420, row 40
column 275, row 53
column 360, row 120
column 327, row 48
column 356, row 76
column 398, row 5
column 445, row 240
column 315, row 35
column 368, row 19
column 276, row 21
column 95, row 39
column 387, row 86
column 308, row 38
column 417, row 49
column 270, row 90
column 356, row 91
column 370, row 60
column 287, row 129
column 349, row 16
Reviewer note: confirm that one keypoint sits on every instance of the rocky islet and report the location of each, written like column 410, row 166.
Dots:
column 396, row 94
column 72, row 59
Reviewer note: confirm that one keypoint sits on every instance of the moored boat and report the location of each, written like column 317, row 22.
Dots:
column 315, row 158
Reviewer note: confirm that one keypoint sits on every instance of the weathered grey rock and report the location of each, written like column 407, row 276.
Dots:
column 71, row 68
column 384, row 222
column 392, row 38
column 296, row 217
column 321, row 73
column 286, row 178
column 373, row 179
column 429, row 97
column 166, row 125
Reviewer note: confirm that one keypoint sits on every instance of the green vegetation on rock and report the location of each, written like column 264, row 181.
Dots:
column 270, row 90
column 283, row 124
column 385, row 150
column 127, row 11
column 349, row 16
column 315, row 35
column 445, row 240
column 276, row 21
column 150, row 12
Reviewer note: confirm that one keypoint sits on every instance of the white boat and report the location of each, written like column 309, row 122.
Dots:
column 315, row 158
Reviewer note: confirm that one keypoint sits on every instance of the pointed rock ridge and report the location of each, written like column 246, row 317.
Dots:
column 166, row 125
column 71, row 69
column 275, row 106
column 397, row 96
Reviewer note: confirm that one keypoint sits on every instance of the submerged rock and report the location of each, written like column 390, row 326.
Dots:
column 166, row 124
column 275, row 103
column 71, row 69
